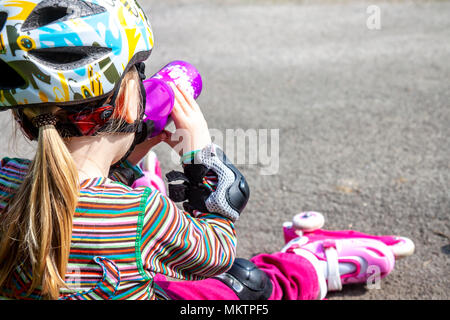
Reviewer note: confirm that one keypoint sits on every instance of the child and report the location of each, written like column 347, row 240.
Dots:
column 71, row 225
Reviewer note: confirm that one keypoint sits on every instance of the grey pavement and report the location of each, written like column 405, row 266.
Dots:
column 363, row 118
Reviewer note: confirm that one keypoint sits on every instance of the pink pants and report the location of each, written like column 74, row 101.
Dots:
column 293, row 278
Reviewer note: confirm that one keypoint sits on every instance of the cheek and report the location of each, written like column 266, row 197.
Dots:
column 123, row 145
column 130, row 140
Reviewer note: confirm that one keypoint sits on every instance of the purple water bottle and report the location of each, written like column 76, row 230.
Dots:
column 160, row 96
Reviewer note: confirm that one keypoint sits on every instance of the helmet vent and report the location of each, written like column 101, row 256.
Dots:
column 3, row 18
column 51, row 11
column 10, row 79
column 51, row 14
column 69, row 58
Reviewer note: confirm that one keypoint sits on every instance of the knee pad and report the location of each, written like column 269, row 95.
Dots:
column 247, row 281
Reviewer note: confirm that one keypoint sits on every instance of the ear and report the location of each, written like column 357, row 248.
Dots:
column 127, row 104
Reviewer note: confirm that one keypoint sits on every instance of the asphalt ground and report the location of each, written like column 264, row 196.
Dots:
column 363, row 118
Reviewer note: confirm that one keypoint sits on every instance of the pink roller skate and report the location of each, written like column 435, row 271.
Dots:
column 344, row 256
column 152, row 174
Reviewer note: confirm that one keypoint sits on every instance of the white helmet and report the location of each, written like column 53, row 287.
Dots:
column 66, row 52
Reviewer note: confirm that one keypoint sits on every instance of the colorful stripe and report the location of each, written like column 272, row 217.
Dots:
column 122, row 237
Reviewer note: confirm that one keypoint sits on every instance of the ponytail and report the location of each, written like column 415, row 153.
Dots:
column 37, row 225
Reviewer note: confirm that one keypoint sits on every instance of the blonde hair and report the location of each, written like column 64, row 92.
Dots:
column 36, row 227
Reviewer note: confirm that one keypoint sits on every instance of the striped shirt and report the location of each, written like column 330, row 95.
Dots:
column 123, row 237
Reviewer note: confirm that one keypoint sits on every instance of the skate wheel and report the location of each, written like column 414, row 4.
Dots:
column 404, row 248
column 308, row 221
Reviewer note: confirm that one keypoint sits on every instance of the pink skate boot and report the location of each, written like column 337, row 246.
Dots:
column 152, row 174
column 343, row 256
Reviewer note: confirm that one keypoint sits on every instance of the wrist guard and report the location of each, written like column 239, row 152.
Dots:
column 230, row 195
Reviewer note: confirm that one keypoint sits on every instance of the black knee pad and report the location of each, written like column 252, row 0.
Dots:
column 247, row 281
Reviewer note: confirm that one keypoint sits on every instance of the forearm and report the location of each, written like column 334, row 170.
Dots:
column 184, row 246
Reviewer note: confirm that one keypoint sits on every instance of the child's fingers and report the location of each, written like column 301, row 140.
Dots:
column 168, row 139
column 180, row 118
column 180, row 99
column 189, row 99
column 186, row 100
column 178, row 112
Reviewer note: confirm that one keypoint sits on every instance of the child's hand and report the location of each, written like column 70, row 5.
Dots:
column 191, row 128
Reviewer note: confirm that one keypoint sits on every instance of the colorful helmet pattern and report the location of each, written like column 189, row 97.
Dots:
column 66, row 52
